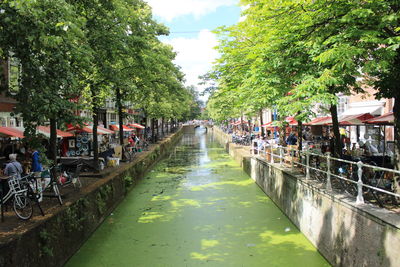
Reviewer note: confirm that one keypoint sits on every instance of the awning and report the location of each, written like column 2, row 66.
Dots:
column 386, row 119
column 78, row 128
column 268, row 124
column 100, row 130
column 372, row 107
column 45, row 130
column 124, row 128
column 11, row 132
column 239, row 122
column 136, row 125
column 291, row 120
column 355, row 119
column 319, row 121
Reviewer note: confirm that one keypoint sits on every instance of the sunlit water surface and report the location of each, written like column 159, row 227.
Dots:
column 197, row 208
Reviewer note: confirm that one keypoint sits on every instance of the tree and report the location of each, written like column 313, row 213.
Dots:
column 47, row 38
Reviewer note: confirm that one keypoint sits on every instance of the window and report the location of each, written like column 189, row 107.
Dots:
column 342, row 104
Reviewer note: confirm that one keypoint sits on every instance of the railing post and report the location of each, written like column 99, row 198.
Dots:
column 281, row 155
column 292, row 157
column 360, row 197
column 307, row 165
column 272, row 154
column 328, row 178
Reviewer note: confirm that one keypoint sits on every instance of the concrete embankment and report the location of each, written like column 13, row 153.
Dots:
column 53, row 240
column 346, row 234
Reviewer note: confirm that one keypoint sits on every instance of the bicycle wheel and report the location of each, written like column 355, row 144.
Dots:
column 349, row 187
column 383, row 199
column 22, row 206
column 57, row 193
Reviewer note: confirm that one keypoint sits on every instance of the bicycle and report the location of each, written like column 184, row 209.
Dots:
column 18, row 192
column 47, row 180
column 372, row 177
column 67, row 175
column 129, row 153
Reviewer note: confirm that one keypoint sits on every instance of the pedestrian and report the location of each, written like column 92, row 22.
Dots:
column 36, row 162
column 13, row 168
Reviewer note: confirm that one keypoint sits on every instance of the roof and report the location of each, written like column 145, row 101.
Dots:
column 7, row 107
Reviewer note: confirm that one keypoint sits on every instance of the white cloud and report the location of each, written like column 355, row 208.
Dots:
column 195, row 55
column 170, row 9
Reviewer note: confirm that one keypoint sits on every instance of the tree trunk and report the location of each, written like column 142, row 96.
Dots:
column 162, row 126
column 300, row 136
column 95, row 138
column 120, row 118
column 396, row 113
column 261, row 122
column 282, row 135
column 53, row 140
column 158, row 130
column 335, row 124
column 241, row 123
column 153, row 134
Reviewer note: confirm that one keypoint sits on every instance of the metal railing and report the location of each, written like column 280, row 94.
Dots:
column 366, row 182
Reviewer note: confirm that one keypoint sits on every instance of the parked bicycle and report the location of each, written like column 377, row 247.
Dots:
column 129, row 153
column 45, row 180
column 18, row 194
column 370, row 176
column 69, row 175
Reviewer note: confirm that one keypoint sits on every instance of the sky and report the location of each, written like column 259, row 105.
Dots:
column 190, row 23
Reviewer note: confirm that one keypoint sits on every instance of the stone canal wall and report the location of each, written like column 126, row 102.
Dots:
column 51, row 242
column 346, row 234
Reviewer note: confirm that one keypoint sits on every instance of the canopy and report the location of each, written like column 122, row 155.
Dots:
column 386, row 119
column 358, row 119
column 268, row 124
column 11, row 132
column 239, row 122
column 319, row 121
column 136, row 125
column 100, row 130
column 291, row 121
column 45, row 130
column 124, row 128
column 78, row 128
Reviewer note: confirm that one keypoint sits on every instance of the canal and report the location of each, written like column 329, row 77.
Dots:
column 197, row 208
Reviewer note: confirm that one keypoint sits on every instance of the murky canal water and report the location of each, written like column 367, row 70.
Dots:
column 197, row 208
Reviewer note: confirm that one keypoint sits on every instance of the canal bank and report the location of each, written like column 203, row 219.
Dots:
column 53, row 239
column 197, row 208
column 345, row 233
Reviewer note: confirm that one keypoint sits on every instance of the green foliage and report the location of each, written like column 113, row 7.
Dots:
column 45, row 243
column 292, row 55
column 128, row 181
column 75, row 54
